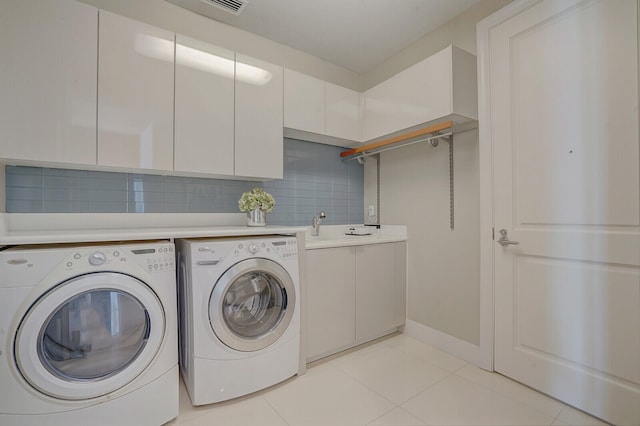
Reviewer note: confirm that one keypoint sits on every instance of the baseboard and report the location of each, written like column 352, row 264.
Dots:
column 452, row 345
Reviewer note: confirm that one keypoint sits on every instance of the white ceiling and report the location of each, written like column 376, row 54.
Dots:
column 355, row 34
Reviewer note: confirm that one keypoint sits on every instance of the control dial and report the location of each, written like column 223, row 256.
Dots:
column 97, row 258
column 253, row 248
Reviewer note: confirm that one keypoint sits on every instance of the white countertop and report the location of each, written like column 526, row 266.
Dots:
column 18, row 229
column 334, row 236
column 95, row 235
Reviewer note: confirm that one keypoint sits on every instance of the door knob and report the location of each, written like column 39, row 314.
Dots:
column 504, row 239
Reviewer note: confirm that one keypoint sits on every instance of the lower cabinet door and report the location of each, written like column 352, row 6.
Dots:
column 375, row 291
column 330, row 301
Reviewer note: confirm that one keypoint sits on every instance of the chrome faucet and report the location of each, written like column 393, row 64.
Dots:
column 317, row 219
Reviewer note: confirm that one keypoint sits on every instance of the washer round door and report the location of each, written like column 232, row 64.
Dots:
column 252, row 304
column 89, row 336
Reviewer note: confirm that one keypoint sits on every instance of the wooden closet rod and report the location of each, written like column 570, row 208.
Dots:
column 400, row 138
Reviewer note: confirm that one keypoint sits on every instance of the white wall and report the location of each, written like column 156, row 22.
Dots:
column 174, row 18
column 460, row 31
column 444, row 265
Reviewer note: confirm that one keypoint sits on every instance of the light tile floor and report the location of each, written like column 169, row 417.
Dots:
column 396, row 381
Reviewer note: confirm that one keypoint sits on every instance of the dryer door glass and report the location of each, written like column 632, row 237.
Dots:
column 93, row 335
column 252, row 304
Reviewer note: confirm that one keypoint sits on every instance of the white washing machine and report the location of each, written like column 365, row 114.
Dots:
column 88, row 334
column 239, row 303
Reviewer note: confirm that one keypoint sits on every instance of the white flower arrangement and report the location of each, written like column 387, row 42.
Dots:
column 256, row 199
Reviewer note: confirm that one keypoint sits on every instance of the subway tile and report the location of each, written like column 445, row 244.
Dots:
column 68, row 182
column 146, row 185
column 107, row 207
column 24, row 206
column 57, row 206
column 24, row 170
column 176, row 186
column 118, row 183
column 66, row 195
column 70, row 173
column 146, row 196
column 24, row 180
column 102, row 196
column 306, row 201
column 324, row 195
column 315, row 179
column 340, row 202
column 146, row 207
column 323, row 187
column 24, row 193
column 176, row 208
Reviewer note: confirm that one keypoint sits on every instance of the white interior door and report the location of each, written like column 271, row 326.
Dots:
column 564, row 131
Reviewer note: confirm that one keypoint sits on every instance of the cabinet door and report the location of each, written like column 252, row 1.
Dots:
column 258, row 119
column 375, row 290
column 204, row 113
column 135, row 94
column 416, row 95
column 343, row 112
column 48, row 85
column 304, row 102
column 330, row 301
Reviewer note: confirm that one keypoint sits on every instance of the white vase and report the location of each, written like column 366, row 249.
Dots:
column 257, row 217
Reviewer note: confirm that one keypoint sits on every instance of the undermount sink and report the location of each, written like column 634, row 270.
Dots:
column 321, row 237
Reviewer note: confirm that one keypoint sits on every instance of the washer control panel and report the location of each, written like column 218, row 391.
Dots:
column 287, row 247
column 153, row 258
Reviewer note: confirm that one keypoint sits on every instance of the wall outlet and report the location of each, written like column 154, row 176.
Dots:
column 371, row 212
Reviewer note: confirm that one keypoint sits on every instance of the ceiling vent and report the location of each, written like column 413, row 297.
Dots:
column 231, row 6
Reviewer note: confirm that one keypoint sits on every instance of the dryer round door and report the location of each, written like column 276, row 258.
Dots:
column 89, row 336
column 252, row 304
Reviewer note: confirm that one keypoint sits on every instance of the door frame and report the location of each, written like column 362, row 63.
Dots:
column 487, row 243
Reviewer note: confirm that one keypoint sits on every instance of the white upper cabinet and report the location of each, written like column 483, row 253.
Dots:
column 204, row 108
column 442, row 84
column 320, row 111
column 304, row 102
column 48, row 85
column 343, row 112
column 135, row 94
column 258, row 119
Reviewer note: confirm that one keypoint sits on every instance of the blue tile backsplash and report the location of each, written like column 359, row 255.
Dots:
column 314, row 179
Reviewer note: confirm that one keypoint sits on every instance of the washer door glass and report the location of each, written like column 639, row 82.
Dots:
column 252, row 304
column 93, row 335
column 89, row 336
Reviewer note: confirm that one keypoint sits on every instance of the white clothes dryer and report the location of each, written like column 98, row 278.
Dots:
column 239, row 303
column 88, row 334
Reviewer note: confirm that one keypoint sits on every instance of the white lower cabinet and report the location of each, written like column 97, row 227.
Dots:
column 354, row 294
column 375, row 290
column 331, row 298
